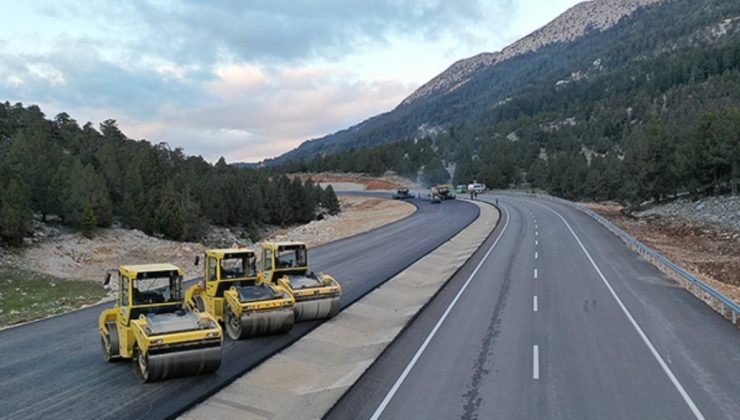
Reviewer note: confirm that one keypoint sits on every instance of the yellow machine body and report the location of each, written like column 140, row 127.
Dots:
column 317, row 295
column 234, row 293
column 149, row 324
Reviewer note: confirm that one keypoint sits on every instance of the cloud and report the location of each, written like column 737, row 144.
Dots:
column 242, row 79
column 263, row 112
column 76, row 75
column 283, row 31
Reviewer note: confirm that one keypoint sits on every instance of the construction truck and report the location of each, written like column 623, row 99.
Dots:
column 286, row 264
column 402, row 193
column 234, row 293
column 444, row 192
column 477, row 187
column 150, row 325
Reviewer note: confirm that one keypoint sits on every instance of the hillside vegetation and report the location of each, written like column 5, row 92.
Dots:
column 644, row 109
column 90, row 178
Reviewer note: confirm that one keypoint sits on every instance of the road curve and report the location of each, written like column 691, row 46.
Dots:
column 561, row 321
column 53, row 368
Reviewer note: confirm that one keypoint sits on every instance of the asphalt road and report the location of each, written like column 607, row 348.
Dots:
column 54, row 368
column 550, row 327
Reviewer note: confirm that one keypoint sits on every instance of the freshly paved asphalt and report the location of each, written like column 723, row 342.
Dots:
column 54, row 368
column 592, row 361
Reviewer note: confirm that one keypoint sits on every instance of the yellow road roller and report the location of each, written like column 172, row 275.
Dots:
column 286, row 264
column 150, row 325
column 233, row 292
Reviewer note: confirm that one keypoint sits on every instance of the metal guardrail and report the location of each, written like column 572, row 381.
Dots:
column 724, row 305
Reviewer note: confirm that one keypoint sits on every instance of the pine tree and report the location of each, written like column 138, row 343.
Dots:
column 330, row 201
column 89, row 221
column 15, row 213
column 169, row 214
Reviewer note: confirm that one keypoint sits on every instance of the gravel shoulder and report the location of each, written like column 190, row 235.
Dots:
column 703, row 237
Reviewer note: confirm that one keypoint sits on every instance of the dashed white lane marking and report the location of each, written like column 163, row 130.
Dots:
column 692, row 406
column 535, row 233
column 534, row 303
column 535, row 362
column 535, row 273
column 535, row 255
column 389, row 396
column 536, row 242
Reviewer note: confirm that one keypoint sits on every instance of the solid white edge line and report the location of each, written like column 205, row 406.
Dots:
column 534, row 303
column 645, row 339
column 535, row 362
column 379, row 411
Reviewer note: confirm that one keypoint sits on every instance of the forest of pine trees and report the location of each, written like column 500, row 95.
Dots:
column 92, row 177
column 658, row 160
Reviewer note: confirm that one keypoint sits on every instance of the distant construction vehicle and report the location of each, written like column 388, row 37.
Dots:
column 286, row 264
column 477, row 187
column 444, row 192
column 402, row 193
column 150, row 325
column 233, row 292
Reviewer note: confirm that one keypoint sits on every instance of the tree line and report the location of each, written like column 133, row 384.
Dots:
column 91, row 178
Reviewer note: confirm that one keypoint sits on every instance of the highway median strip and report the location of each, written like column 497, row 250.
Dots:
column 306, row 379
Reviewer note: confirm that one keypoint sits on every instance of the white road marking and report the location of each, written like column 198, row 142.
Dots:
column 534, row 303
column 535, row 362
column 645, row 339
column 535, row 273
column 536, row 242
column 535, row 255
column 389, row 396
column 535, row 233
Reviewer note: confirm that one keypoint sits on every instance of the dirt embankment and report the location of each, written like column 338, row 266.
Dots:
column 73, row 256
column 358, row 181
column 711, row 251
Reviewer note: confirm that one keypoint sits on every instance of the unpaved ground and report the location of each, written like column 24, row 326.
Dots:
column 710, row 251
column 348, row 181
column 73, row 256
column 359, row 214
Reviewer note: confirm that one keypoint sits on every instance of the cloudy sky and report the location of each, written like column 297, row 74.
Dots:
column 243, row 79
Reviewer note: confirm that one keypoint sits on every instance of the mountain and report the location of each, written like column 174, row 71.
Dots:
column 632, row 108
column 576, row 22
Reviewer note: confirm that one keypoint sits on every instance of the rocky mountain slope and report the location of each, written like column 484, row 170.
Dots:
column 575, row 22
column 579, row 21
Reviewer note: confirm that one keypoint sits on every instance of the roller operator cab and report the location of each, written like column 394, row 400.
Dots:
column 150, row 325
column 234, row 293
column 286, row 264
